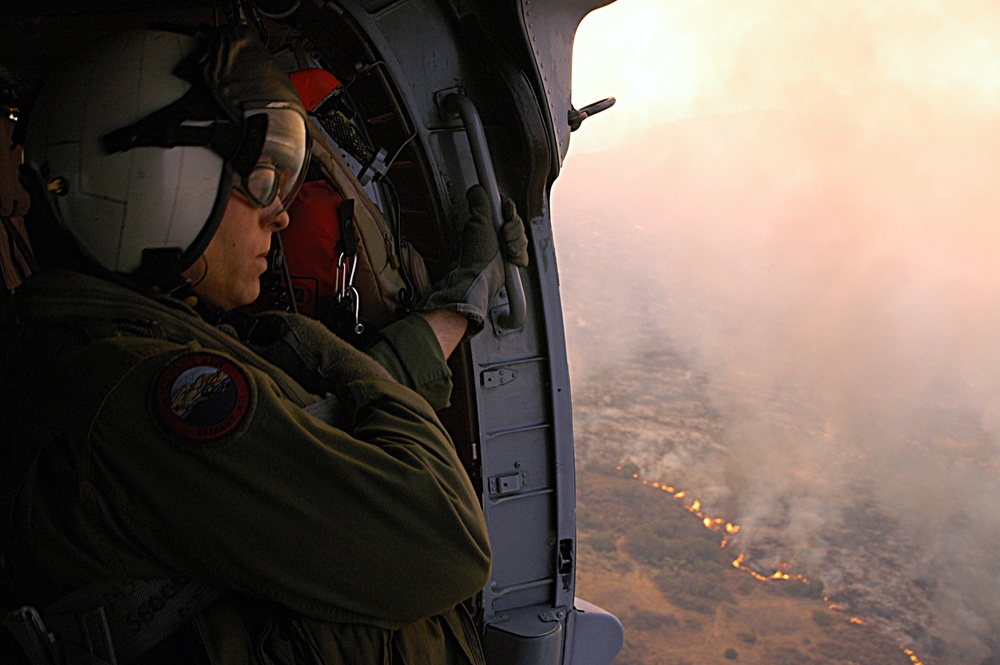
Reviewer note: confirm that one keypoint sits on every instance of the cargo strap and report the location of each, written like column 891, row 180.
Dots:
column 108, row 623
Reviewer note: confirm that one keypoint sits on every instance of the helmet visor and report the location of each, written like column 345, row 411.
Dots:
column 281, row 166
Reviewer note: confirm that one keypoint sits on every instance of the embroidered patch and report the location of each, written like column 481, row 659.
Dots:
column 202, row 396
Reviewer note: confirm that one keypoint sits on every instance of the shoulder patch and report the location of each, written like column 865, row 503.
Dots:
column 202, row 396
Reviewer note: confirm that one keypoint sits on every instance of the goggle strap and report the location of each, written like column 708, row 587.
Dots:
column 246, row 153
column 165, row 128
column 239, row 144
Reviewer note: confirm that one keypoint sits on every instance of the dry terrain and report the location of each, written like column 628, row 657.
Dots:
column 644, row 557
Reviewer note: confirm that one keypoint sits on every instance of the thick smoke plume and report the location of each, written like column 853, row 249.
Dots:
column 812, row 220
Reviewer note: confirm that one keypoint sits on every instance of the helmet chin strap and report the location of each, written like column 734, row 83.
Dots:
column 159, row 270
column 187, row 293
column 204, row 273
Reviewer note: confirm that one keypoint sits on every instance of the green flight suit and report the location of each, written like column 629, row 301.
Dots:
column 140, row 442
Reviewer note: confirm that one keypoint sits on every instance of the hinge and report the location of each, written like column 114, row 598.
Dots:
column 493, row 378
column 508, row 483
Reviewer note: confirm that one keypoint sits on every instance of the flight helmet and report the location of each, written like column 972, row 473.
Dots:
column 137, row 143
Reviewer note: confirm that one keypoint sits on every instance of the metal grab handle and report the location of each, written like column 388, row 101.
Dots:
column 462, row 105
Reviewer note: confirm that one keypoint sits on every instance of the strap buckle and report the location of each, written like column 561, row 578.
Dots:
column 28, row 628
column 83, row 637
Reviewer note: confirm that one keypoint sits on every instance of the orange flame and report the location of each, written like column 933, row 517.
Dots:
column 718, row 524
column 730, row 529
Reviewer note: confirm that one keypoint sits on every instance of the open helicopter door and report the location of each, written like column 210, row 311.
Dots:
column 498, row 79
column 531, row 612
column 487, row 88
column 520, row 510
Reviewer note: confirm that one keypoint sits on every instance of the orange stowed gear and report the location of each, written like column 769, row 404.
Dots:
column 315, row 86
column 321, row 94
column 313, row 244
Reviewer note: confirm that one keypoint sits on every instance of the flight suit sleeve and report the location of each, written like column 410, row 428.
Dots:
column 410, row 351
column 201, row 463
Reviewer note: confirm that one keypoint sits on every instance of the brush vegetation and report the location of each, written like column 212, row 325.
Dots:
column 644, row 557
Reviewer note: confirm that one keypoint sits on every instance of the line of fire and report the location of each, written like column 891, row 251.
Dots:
column 730, row 529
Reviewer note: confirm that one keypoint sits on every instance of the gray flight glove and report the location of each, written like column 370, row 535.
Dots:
column 479, row 276
column 320, row 361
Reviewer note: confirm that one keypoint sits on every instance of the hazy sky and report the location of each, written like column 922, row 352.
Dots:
column 804, row 196
column 912, row 66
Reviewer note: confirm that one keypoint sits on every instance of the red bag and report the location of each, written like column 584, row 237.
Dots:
column 313, row 248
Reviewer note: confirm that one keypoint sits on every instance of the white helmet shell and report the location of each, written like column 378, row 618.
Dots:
column 115, row 206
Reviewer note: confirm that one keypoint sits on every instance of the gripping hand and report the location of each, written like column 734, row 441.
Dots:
column 479, row 276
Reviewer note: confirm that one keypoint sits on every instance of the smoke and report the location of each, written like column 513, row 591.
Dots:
column 812, row 219
column 909, row 66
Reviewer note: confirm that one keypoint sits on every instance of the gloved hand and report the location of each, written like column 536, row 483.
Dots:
column 479, row 276
column 309, row 353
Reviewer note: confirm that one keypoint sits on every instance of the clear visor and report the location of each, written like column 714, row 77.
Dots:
column 276, row 177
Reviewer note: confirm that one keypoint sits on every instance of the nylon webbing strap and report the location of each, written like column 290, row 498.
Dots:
column 116, row 622
column 18, row 253
column 326, row 410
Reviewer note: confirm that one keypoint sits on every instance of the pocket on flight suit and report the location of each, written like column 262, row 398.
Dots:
column 287, row 639
column 449, row 638
column 259, row 634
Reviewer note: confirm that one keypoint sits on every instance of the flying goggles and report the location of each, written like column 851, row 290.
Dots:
column 280, row 168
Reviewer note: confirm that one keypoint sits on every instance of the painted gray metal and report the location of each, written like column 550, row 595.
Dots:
column 522, row 390
column 486, row 175
column 550, row 26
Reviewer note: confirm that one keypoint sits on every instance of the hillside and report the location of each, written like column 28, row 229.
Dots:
column 651, row 562
column 794, row 319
